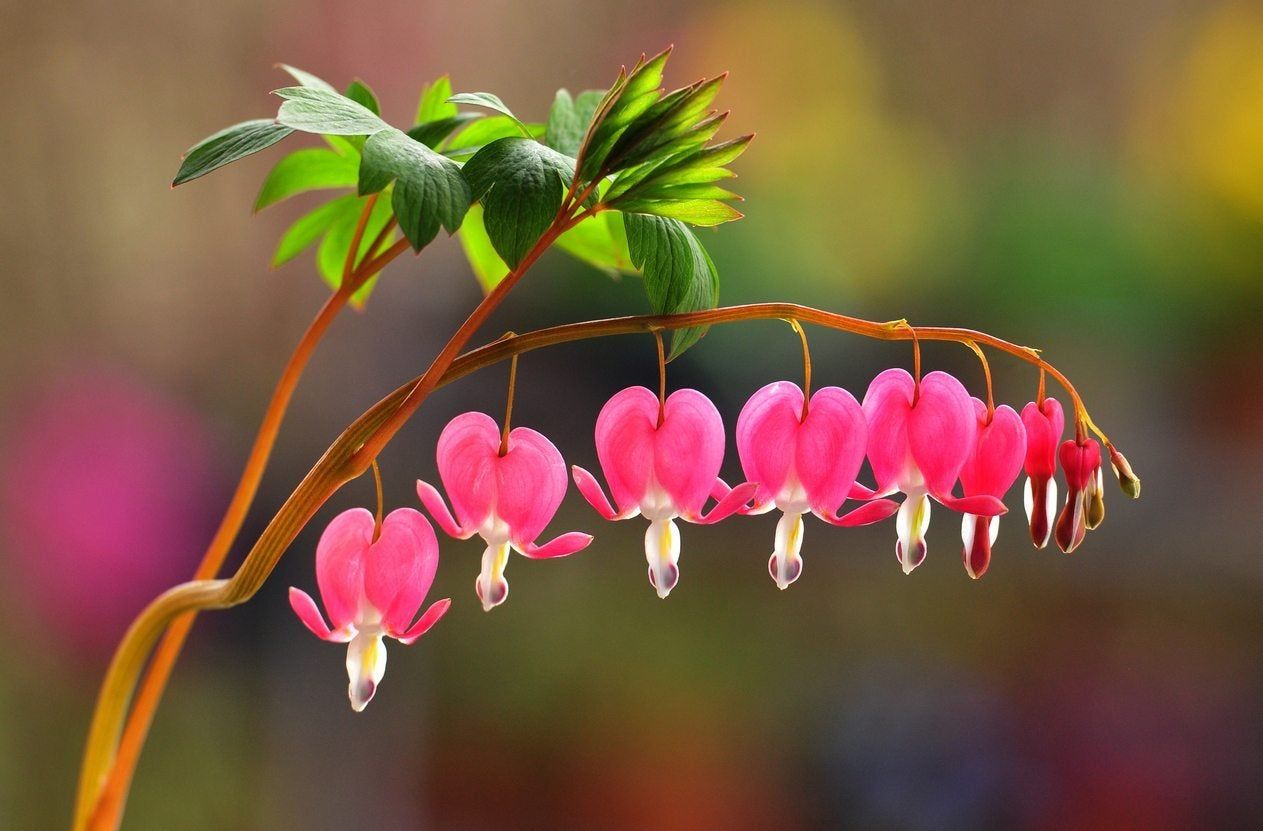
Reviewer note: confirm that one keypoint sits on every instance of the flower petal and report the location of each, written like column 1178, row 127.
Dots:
column 866, row 514
column 1044, row 423
column 340, row 564
column 887, row 407
column 689, row 450
column 365, row 665
column 427, row 620
column 767, row 432
column 624, row 444
column 941, row 430
column 466, row 450
column 530, row 484
column 998, row 452
column 562, row 546
column 981, row 505
column 433, row 502
column 832, row 441
column 591, row 490
column 733, row 502
column 662, row 551
column 305, row 608
column 399, row 568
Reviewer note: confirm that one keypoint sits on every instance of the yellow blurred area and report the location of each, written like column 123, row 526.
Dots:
column 857, row 187
column 1199, row 116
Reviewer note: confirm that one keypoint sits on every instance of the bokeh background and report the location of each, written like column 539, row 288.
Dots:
column 1082, row 176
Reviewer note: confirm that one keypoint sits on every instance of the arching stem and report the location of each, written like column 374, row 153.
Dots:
column 986, row 371
column 802, row 336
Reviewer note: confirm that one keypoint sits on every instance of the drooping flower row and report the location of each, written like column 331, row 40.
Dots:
column 661, row 459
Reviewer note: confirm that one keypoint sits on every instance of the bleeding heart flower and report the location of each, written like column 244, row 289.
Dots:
column 1044, row 422
column 919, row 437
column 662, row 462
column 505, row 499
column 371, row 590
column 803, row 462
column 990, row 470
column 1084, row 508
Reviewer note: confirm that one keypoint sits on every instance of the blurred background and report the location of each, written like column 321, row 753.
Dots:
column 1086, row 177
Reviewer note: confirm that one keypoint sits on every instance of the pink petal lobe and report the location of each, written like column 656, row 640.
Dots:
column 562, row 546
column 625, row 444
column 340, row 558
column 866, row 514
column 399, row 568
column 591, row 490
column 981, row 505
column 1044, row 424
column 887, row 408
column 689, row 450
column 860, row 492
column 433, row 502
column 999, row 450
column 732, row 503
column 941, row 430
column 767, row 431
column 831, row 445
column 426, row 621
column 305, row 608
column 530, row 483
column 467, row 449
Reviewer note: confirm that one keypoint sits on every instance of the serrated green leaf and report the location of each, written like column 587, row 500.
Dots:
column 484, row 131
column 228, row 145
column 487, row 266
column 309, row 228
column 320, row 111
column 305, row 170
column 679, row 275
column 332, row 253
column 429, row 188
column 568, row 120
column 306, row 79
column 433, row 105
column 432, row 133
column 520, row 183
column 601, row 242
column 362, row 94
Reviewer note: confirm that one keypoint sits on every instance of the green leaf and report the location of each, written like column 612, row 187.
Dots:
column 520, row 183
column 332, row 253
column 568, row 120
column 305, row 170
column 309, row 228
column 306, row 79
column 703, row 212
column 433, row 105
column 362, row 94
column 320, row 111
column 482, row 256
column 679, row 274
column 429, row 188
column 432, row 133
column 485, row 131
column 600, row 241
column 228, row 145
column 491, row 102
column 623, row 104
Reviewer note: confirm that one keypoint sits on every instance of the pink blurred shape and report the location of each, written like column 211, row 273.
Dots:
column 109, row 497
